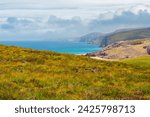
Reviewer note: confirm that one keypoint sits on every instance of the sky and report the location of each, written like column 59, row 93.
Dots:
column 67, row 3
column 69, row 19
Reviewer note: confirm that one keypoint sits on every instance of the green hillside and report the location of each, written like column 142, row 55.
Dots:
column 120, row 35
column 126, row 35
column 143, row 62
column 131, row 34
column 31, row 74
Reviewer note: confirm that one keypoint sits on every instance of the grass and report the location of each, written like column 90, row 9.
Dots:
column 142, row 62
column 130, row 35
column 32, row 74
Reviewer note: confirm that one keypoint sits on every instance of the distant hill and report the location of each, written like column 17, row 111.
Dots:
column 32, row 74
column 92, row 38
column 121, row 35
column 126, row 35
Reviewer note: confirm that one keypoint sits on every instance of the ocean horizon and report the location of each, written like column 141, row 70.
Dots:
column 68, row 47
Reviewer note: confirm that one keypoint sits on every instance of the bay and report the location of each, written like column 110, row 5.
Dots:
column 57, row 46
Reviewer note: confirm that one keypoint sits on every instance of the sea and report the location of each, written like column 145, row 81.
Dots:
column 68, row 47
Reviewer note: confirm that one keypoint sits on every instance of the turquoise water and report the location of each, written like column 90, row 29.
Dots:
column 57, row 46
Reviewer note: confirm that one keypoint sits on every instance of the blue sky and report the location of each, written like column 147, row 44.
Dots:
column 67, row 19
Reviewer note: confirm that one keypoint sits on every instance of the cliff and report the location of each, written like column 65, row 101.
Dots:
column 119, row 35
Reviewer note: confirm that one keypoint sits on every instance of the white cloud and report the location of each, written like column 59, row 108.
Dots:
column 122, row 18
column 86, row 9
column 65, row 4
column 66, row 23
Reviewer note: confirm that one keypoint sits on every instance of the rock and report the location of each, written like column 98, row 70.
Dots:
column 102, row 54
column 90, row 54
column 94, row 54
column 145, row 47
column 136, row 42
column 148, row 50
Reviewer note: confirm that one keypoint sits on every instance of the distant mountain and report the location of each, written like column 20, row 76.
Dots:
column 119, row 35
column 92, row 38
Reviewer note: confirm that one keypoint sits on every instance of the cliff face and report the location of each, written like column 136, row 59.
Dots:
column 124, row 49
column 92, row 38
column 122, row 35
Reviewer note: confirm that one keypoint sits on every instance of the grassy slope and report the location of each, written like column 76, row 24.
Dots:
column 130, row 35
column 30, row 74
column 143, row 62
column 133, row 34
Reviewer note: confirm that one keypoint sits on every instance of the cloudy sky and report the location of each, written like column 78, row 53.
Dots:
column 67, row 19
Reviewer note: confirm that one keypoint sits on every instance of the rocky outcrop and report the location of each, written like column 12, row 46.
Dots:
column 148, row 49
column 123, row 50
column 95, row 54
